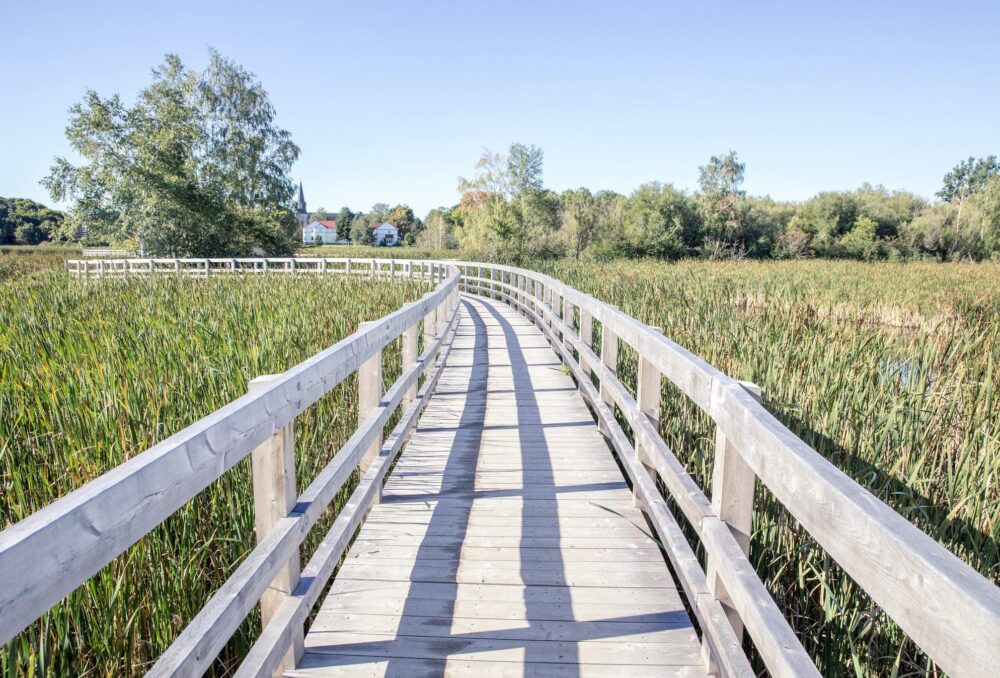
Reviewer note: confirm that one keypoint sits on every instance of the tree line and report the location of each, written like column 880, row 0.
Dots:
column 197, row 166
column 26, row 222
column 506, row 212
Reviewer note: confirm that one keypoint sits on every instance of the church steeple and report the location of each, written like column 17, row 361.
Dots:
column 303, row 214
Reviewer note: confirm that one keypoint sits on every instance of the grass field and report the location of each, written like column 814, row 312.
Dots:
column 888, row 370
column 92, row 373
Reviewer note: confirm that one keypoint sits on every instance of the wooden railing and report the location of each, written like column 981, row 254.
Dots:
column 102, row 268
column 55, row 550
column 947, row 608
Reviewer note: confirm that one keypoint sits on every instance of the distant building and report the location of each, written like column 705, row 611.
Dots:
column 322, row 232
column 386, row 233
column 302, row 214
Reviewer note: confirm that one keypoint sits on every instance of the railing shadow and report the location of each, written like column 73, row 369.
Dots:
column 451, row 503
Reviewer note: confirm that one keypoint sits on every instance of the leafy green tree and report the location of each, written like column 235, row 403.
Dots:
column 968, row 177
column 659, row 222
column 720, row 203
column 361, row 229
column 345, row 218
column 196, row 167
column 862, row 242
column 319, row 215
column 439, row 230
column 524, row 169
column 578, row 213
column 402, row 217
column 27, row 222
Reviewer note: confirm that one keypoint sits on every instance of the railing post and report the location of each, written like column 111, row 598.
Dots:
column 567, row 318
column 430, row 327
column 410, row 355
column 609, row 358
column 442, row 315
column 369, row 396
column 586, row 336
column 733, row 484
column 274, row 496
column 648, row 385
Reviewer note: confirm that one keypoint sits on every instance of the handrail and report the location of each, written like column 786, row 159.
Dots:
column 101, row 268
column 947, row 608
column 50, row 553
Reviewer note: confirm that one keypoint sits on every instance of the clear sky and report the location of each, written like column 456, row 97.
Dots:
column 392, row 101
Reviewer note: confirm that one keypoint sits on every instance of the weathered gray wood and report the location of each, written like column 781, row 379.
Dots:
column 369, row 396
column 776, row 641
column 274, row 495
column 68, row 541
column 410, row 352
column 446, row 462
column 648, row 401
column 876, row 546
column 732, row 501
column 276, row 637
column 195, row 648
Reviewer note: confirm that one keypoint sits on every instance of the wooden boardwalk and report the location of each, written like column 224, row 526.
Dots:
column 490, row 553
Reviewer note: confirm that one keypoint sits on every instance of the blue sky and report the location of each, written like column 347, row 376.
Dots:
column 392, row 101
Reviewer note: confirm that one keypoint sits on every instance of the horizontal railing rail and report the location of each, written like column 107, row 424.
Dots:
column 947, row 608
column 49, row 554
column 103, row 268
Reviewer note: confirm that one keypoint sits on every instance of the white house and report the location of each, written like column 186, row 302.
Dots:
column 386, row 234
column 320, row 233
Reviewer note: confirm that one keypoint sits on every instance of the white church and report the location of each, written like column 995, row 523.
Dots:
column 324, row 231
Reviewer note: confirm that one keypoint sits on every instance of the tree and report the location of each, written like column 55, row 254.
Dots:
column 27, row 222
column 720, row 204
column 196, row 167
column 320, row 215
column 402, row 217
column 659, row 222
column 361, row 231
column 439, row 230
column 345, row 218
column 968, row 177
column 578, row 213
column 524, row 169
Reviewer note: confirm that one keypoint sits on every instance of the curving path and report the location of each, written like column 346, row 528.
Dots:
column 491, row 554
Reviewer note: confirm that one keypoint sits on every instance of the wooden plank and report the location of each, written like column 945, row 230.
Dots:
column 369, row 396
column 506, row 554
column 367, row 602
column 548, row 651
column 274, row 495
column 958, row 622
column 733, row 484
column 49, row 554
column 331, row 666
column 486, row 628
column 488, row 529
column 265, row 656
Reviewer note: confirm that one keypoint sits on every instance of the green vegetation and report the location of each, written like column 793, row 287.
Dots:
column 506, row 213
column 26, row 222
column 196, row 167
column 20, row 261
column 92, row 373
column 888, row 370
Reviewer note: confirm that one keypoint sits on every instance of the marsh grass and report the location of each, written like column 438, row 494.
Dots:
column 888, row 370
column 94, row 372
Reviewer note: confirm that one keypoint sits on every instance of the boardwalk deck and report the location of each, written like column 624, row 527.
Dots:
column 490, row 553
